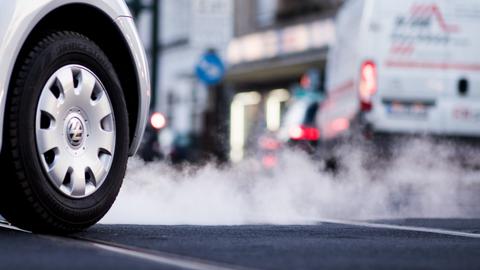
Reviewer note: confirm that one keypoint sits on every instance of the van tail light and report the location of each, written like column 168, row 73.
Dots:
column 305, row 133
column 368, row 85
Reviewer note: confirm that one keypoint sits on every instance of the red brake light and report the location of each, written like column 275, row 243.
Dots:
column 269, row 161
column 158, row 121
column 304, row 133
column 368, row 84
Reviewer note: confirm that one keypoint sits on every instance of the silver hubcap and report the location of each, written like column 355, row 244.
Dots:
column 75, row 131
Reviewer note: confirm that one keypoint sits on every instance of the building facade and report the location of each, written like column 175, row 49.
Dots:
column 186, row 30
column 276, row 41
column 266, row 44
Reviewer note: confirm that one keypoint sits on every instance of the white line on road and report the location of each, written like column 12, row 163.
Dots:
column 398, row 227
column 160, row 257
column 148, row 255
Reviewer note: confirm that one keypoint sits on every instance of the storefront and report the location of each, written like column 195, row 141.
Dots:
column 264, row 67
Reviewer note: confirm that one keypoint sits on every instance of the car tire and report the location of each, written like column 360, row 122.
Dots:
column 33, row 195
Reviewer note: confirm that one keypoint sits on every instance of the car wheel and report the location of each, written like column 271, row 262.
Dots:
column 65, row 145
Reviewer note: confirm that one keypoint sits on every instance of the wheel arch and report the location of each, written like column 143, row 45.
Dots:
column 101, row 29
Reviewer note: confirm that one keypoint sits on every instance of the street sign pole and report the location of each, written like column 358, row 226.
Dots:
column 155, row 51
column 210, row 71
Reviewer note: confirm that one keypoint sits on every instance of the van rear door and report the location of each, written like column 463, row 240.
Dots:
column 462, row 102
column 342, row 103
column 411, row 74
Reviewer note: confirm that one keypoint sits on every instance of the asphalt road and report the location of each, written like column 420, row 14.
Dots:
column 399, row 244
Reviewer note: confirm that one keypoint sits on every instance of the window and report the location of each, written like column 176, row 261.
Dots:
column 266, row 12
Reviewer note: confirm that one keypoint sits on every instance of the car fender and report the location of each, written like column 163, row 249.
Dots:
column 18, row 19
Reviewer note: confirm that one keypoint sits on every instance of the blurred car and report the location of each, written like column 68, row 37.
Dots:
column 74, row 100
column 298, row 129
column 403, row 67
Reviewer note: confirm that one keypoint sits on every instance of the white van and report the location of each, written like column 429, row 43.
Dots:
column 403, row 67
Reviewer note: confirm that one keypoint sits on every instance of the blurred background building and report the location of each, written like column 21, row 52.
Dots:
column 266, row 47
column 275, row 43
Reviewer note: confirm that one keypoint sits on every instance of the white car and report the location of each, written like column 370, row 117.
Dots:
column 74, row 96
column 403, row 67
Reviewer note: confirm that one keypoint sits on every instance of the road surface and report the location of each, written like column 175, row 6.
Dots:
column 383, row 244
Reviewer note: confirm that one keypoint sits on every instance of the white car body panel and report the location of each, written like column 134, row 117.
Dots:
column 418, row 64
column 127, row 27
column 18, row 18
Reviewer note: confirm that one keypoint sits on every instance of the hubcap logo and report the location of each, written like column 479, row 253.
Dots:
column 75, row 132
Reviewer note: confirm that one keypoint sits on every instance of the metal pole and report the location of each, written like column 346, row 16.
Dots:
column 155, row 51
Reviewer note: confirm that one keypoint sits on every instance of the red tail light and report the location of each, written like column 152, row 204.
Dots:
column 269, row 161
column 368, row 85
column 304, row 133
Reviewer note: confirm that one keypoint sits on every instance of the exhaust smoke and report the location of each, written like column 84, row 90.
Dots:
column 421, row 181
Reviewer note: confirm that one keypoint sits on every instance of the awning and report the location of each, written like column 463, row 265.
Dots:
column 276, row 69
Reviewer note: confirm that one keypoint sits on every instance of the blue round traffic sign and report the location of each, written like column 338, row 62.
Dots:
column 210, row 70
